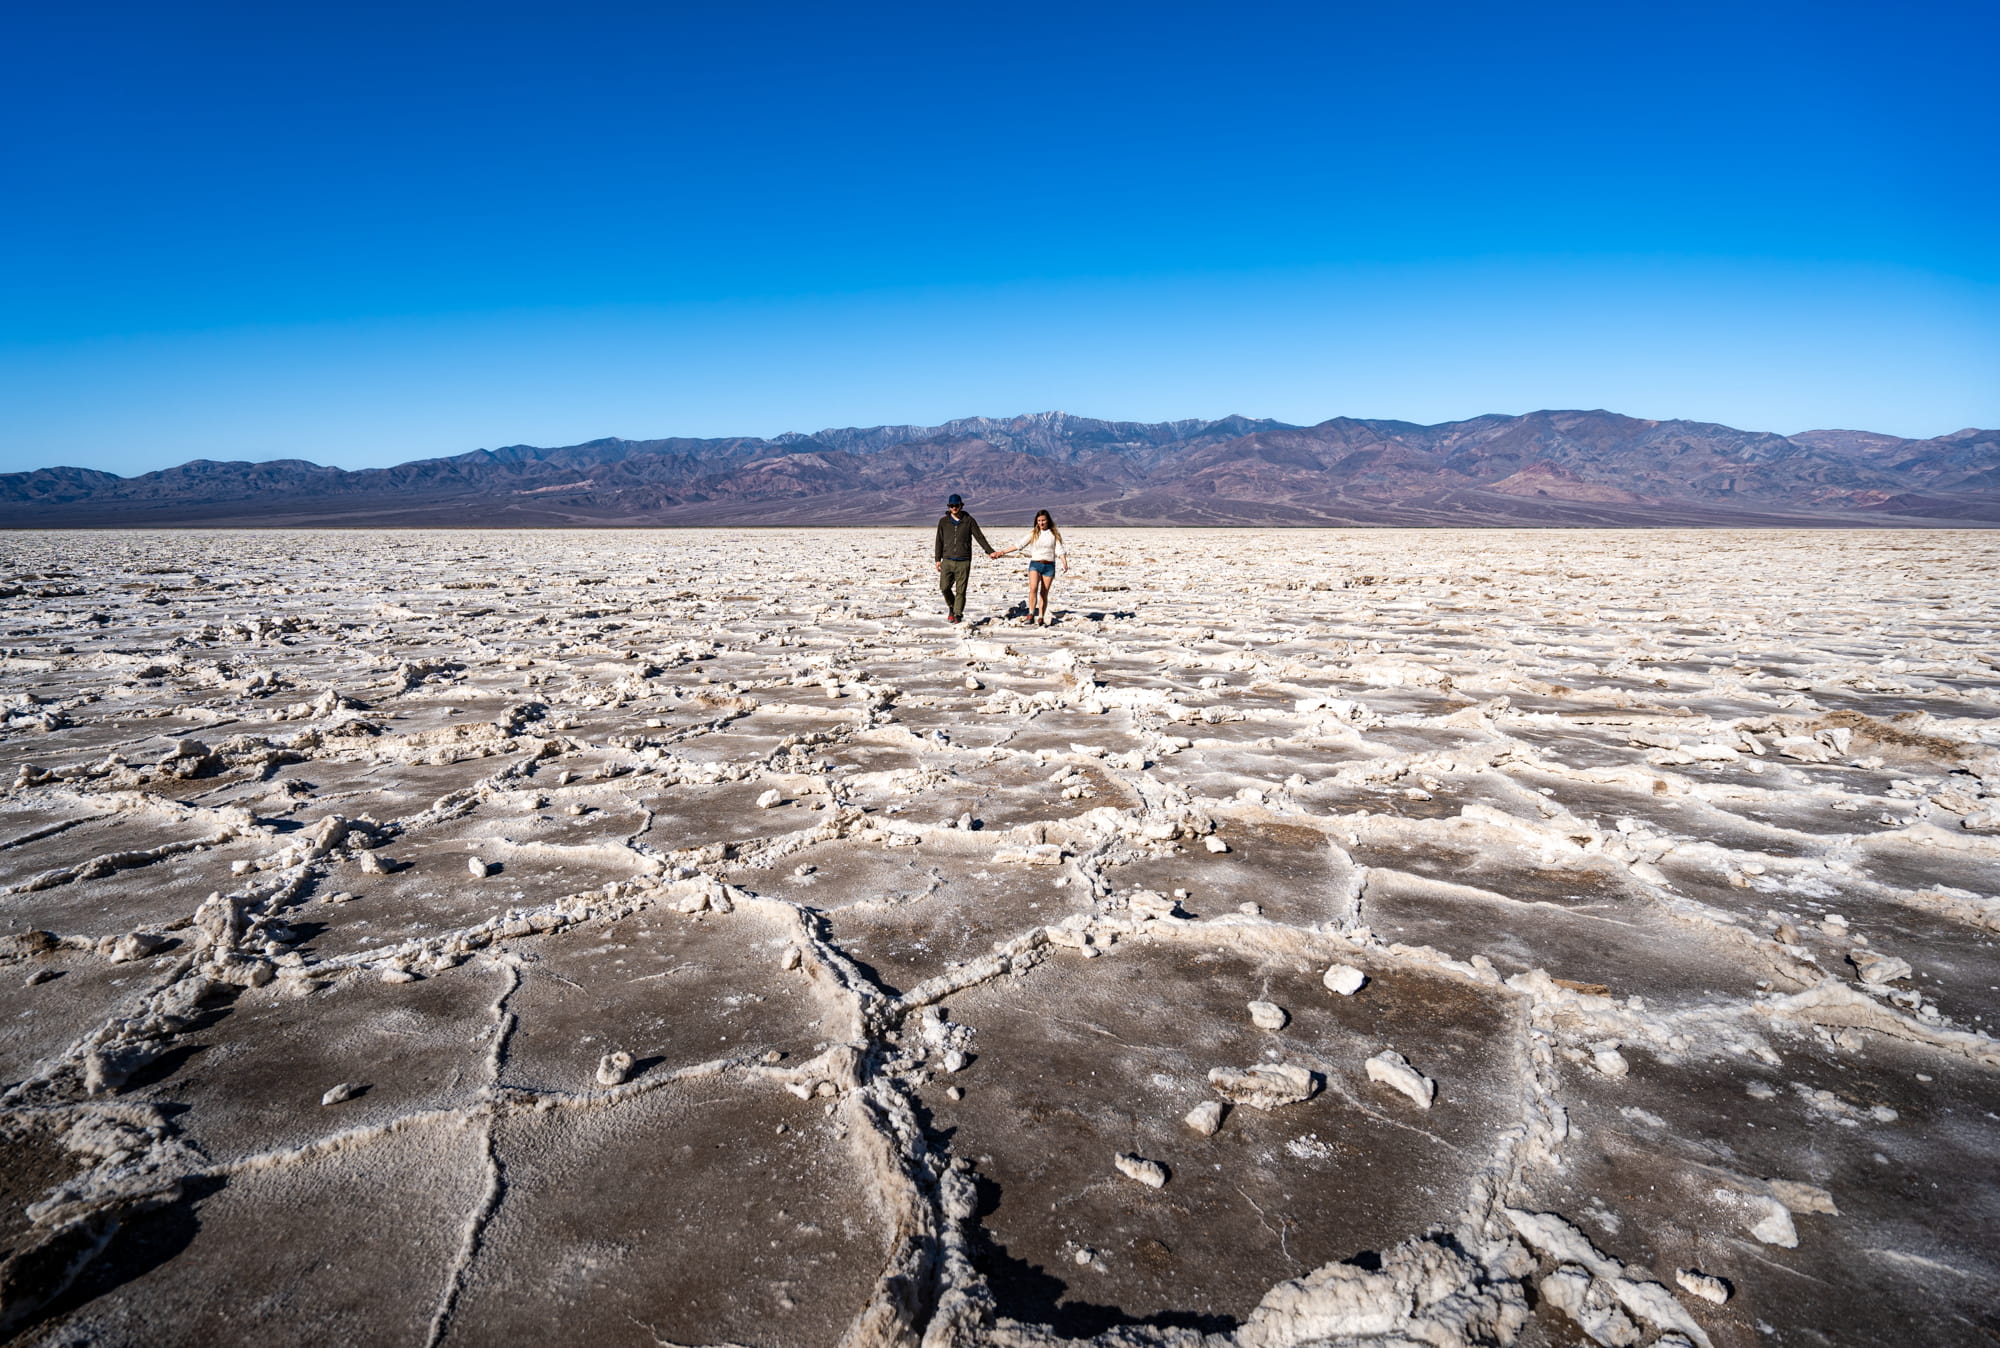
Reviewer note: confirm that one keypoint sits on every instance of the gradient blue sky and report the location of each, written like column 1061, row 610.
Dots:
column 368, row 233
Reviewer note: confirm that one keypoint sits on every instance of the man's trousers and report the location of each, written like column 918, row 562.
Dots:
column 953, row 578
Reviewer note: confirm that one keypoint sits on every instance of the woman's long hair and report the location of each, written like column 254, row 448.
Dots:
column 1036, row 531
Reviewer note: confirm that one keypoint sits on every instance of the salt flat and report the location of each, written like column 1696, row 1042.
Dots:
column 687, row 937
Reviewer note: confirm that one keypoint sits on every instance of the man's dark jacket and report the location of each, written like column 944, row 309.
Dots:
column 955, row 538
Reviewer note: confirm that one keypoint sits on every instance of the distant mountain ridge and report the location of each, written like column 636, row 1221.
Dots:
column 1541, row 468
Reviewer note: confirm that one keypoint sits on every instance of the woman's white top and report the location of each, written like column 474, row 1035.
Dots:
column 1042, row 547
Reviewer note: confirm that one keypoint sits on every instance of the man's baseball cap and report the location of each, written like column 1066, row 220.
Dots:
column 954, row 500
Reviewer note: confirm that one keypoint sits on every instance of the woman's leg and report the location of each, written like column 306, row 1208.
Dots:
column 1034, row 588
column 1048, row 582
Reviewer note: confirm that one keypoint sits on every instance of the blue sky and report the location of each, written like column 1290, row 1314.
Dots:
column 369, row 233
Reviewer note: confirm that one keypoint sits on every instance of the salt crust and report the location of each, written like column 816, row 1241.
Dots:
column 273, row 651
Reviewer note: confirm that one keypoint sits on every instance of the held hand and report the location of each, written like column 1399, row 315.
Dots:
column 937, row 566
column 997, row 555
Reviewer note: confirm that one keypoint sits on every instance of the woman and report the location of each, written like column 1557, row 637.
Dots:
column 1043, row 547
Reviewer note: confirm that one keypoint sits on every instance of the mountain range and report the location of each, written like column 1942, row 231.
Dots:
column 1543, row 468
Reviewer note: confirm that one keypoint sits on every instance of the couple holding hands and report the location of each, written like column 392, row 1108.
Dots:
column 957, row 531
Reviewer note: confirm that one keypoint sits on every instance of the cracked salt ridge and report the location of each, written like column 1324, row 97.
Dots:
column 1659, row 767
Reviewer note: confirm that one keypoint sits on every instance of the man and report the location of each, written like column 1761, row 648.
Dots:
column 952, row 553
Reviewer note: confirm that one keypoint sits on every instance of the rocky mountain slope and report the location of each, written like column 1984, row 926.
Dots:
column 1544, row 468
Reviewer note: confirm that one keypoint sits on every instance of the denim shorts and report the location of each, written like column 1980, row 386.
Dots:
column 1042, row 568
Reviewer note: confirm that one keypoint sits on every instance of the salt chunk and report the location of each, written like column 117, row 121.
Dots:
column 791, row 959
column 1149, row 1173
column 770, row 798
column 1392, row 1069
column 1265, row 1086
column 1706, row 1286
column 954, row 1060
column 478, row 869
column 345, row 1091
column 23, row 944
column 1589, row 1302
column 137, row 945
column 1268, row 1015
column 1214, row 844
column 1798, row 1196
column 1610, row 1062
column 1206, row 1117
column 1774, row 1223
column 614, row 1068
column 1343, row 979
column 1875, row 967
column 393, row 975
